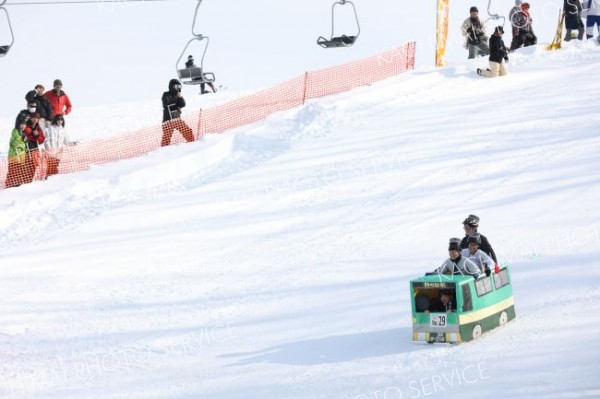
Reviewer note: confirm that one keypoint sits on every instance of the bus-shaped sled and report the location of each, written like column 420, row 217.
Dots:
column 476, row 306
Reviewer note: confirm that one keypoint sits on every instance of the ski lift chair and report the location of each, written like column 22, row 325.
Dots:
column 194, row 75
column 4, row 48
column 343, row 40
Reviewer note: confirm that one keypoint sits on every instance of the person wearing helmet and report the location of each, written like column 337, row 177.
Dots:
column 480, row 258
column 470, row 225
column 173, row 102
column 456, row 263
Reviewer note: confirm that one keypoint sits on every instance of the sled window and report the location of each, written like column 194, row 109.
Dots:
column 428, row 299
column 422, row 302
column 501, row 279
column 467, row 301
column 483, row 286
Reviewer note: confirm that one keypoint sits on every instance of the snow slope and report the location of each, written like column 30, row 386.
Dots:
column 273, row 261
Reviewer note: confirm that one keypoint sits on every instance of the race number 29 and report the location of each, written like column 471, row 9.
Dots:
column 437, row 320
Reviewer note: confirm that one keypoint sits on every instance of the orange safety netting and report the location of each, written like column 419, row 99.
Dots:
column 218, row 119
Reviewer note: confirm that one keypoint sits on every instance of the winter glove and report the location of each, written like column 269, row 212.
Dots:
column 488, row 271
column 470, row 30
column 506, row 58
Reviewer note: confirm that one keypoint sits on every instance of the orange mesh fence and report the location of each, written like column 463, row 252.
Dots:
column 218, row 119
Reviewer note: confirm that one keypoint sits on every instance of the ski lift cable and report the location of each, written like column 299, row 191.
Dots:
column 61, row 2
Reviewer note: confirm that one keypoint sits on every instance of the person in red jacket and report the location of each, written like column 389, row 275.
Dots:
column 59, row 101
column 34, row 136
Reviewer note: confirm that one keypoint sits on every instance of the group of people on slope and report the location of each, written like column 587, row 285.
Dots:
column 476, row 38
column 39, row 135
column 473, row 255
column 573, row 11
column 478, row 43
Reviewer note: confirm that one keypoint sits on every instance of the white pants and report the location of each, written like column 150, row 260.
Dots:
column 496, row 69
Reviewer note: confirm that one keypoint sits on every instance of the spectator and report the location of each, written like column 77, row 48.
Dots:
column 190, row 64
column 34, row 136
column 456, row 263
column 473, row 28
column 593, row 18
column 42, row 104
column 498, row 55
column 525, row 24
column 25, row 114
column 59, row 101
column 512, row 17
column 470, row 225
column 572, row 11
column 17, row 158
column 172, row 102
column 480, row 258
column 56, row 139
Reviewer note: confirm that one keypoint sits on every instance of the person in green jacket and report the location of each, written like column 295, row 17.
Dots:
column 19, row 160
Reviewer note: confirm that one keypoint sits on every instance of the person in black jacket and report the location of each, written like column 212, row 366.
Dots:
column 172, row 102
column 444, row 304
column 572, row 10
column 470, row 225
column 42, row 104
column 498, row 54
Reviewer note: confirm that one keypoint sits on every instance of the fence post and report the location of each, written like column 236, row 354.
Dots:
column 200, row 125
column 305, row 84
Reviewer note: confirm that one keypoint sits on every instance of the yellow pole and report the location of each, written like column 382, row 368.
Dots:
column 442, row 32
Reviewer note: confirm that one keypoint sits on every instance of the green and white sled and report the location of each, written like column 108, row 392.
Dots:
column 478, row 306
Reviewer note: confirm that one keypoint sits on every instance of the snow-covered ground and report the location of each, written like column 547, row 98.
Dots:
column 273, row 261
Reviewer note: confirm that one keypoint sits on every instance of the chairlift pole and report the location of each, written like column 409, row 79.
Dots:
column 4, row 48
column 343, row 40
column 195, row 75
column 495, row 17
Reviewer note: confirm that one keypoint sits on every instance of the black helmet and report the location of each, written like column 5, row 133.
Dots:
column 472, row 220
column 454, row 244
column 475, row 237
